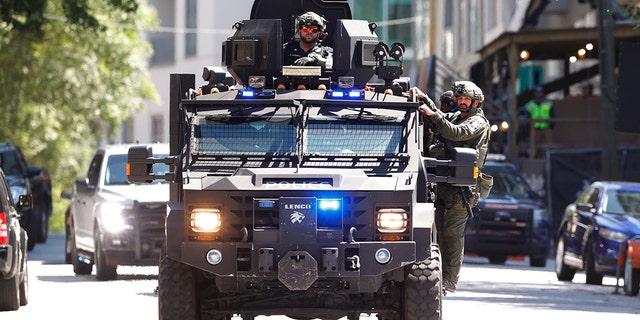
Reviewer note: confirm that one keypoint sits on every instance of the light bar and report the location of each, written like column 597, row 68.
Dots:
column 249, row 94
column 354, row 94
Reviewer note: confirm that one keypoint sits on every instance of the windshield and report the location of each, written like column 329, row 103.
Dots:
column 116, row 170
column 347, row 137
column 508, row 182
column 223, row 134
column 622, row 202
column 244, row 130
column 9, row 163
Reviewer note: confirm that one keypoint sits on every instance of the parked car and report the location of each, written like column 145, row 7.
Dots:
column 25, row 179
column 512, row 221
column 14, row 280
column 113, row 222
column 593, row 228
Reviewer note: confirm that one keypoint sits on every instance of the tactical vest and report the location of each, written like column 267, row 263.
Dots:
column 540, row 112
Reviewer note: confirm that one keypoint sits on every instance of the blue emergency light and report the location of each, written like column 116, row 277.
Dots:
column 329, row 213
column 353, row 94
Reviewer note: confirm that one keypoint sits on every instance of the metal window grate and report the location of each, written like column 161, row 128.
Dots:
column 259, row 136
column 362, row 138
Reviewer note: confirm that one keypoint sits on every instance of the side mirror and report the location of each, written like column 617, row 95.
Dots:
column 82, row 185
column 25, row 201
column 587, row 207
column 140, row 164
column 66, row 194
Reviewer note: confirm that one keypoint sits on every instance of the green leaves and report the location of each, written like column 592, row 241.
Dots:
column 72, row 72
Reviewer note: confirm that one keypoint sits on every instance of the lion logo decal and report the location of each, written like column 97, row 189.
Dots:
column 296, row 217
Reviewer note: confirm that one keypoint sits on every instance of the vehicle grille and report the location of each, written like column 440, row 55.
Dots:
column 148, row 221
column 503, row 226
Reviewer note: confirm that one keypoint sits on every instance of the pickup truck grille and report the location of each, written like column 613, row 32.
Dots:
column 503, row 226
column 148, row 221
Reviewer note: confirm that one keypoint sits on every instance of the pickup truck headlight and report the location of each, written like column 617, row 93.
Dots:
column 391, row 220
column 112, row 217
column 206, row 220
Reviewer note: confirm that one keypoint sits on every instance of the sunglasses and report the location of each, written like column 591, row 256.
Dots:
column 309, row 29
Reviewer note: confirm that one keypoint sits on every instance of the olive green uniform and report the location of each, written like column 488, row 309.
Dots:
column 451, row 213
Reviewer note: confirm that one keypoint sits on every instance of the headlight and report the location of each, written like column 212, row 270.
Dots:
column 206, row 220
column 612, row 235
column 392, row 220
column 112, row 217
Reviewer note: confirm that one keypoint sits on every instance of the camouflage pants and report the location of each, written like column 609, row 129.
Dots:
column 451, row 219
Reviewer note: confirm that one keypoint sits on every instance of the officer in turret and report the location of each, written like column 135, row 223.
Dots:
column 305, row 47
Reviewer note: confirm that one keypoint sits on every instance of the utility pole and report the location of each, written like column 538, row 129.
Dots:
column 608, row 95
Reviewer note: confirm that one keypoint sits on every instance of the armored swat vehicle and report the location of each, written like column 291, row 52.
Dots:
column 296, row 191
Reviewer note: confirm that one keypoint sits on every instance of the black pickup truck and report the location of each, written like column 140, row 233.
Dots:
column 31, row 180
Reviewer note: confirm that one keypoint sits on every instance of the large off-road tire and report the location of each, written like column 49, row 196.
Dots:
column 590, row 265
column 24, row 285
column 631, row 278
column 79, row 267
column 177, row 291
column 423, row 288
column 563, row 272
column 104, row 272
column 10, row 293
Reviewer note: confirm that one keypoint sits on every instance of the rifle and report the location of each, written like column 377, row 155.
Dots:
column 466, row 194
column 464, row 191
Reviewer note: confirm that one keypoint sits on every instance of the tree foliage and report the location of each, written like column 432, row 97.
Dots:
column 631, row 9
column 72, row 71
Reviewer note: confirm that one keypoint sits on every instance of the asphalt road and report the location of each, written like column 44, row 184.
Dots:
column 510, row 291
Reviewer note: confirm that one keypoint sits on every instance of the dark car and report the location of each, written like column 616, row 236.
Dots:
column 593, row 228
column 512, row 221
column 13, row 250
column 35, row 181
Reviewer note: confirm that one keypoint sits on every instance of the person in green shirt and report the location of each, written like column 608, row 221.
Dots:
column 540, row 112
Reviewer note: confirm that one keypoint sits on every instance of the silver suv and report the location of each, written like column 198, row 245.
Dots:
column 113, row 222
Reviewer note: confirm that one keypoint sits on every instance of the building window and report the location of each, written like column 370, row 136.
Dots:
column 492, row 13
column 475, row 27
column 163, row 42
column 191, row 24
column 157, row 128
column 127, row 131
column 448, row 14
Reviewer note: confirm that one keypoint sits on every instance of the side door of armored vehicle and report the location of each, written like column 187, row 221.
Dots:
column 83, row 211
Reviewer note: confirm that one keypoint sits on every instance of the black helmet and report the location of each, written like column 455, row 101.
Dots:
column 311, row 19
column 446, row 96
